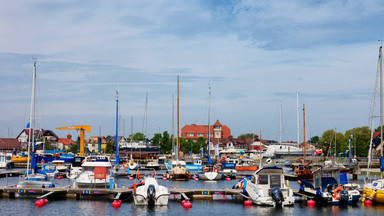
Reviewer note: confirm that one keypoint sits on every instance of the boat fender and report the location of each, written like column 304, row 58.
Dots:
column 125, row 165
column 373, row 194
column 367, row 202
column 134, row 187
column 247, row 203
column 311, row 203
column 153, row 174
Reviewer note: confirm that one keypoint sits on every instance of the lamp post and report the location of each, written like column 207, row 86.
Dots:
column 349, row 152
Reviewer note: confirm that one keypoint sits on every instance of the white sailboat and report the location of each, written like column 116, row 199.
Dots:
column 34, row 178
column 179, row 170
column 374, row 190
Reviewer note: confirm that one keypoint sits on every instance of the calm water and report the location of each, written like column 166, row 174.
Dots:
column 221, row 206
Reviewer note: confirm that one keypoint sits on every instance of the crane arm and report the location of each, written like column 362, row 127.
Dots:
column 77, row 127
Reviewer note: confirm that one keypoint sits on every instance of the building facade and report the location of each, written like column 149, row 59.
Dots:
column 217, row 131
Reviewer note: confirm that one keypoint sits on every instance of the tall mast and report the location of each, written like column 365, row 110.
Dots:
column 173, row 124
column 209, row 120
column 117, row 128
column 298, row 119
column 260, row 157
column 31, row 141
column 381, row 99
column 305, row 153
column 281, row 120
column 178, row 98
column 146, row 115
column 374, row 111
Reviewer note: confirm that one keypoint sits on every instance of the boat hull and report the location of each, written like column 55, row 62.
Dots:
column 246, row 168
column 376, row 197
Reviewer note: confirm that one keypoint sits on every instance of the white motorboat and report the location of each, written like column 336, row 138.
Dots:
column 95, row 173
column 267, row 188
column 61, row 168
column 6, row 162
column 75, row 168
column 328, row 190
column 151, row 193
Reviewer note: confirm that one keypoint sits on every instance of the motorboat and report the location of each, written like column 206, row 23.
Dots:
column 75, row 168
column 267, row 188
column 178, row 171
column 152, row 165
column 210, row 173
column 151, row 193
column 374, row 191
column 61, row 168
column 6, row 162
column 95, row 173
column 229, row 169
column 327, row 188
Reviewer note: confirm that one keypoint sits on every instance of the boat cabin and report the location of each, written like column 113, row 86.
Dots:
column 269, row 177
column 323, row 177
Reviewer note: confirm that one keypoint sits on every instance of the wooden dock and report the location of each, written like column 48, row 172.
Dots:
column 8, row 173
column 122, row 193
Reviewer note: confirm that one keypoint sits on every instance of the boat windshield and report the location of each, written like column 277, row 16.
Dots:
column 262, row 179
column 275, row 180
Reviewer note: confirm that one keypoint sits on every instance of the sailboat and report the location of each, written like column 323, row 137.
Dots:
column 303, row 171
column 374, row 191
column 178, row 170
column 33, row 178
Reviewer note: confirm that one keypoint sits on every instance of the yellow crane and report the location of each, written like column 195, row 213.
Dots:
column 81, row 128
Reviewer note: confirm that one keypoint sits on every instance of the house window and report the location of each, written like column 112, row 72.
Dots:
column 200, row 134
column 190, row 134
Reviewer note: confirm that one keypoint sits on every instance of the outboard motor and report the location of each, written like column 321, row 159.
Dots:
column 151, row 195
column 277, row 195
column 344, row 197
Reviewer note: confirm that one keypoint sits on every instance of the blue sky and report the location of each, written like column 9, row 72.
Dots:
column 253, row 54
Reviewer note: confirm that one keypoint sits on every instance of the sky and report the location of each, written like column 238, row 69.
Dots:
column 255, row 56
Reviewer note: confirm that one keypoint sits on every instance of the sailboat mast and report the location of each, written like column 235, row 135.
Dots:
column 381, row 99
column 209, row 120
column 305, row 153
column 178, row 98
column 281, row 121
column 173, row 124
column 32, row 118
column 117, row 128
column 260, row 157
column 298, row 120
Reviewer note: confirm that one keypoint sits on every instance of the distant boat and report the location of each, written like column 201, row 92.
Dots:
column 6, row 162
column 210, row 173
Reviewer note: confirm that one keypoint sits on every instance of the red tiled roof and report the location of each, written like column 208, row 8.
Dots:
column 66, row 141
column 9, row 143
column 203, row 129
column 376, row 134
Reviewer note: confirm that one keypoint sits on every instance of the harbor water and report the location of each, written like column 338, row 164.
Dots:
column 221, row 205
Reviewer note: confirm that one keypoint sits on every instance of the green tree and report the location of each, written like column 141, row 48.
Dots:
column 73, row 148
column 327, row 141
column 314, row 139
column 166, row 143
column 156, row 140
column 247, row 136
column 378, row 129
column 137, row 137
column 109, row 149
column 360, row 140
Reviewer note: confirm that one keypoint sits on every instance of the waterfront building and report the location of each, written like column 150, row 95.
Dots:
column 45, row 135
column 9, row 144
column 65, row 143
column 217, row 131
